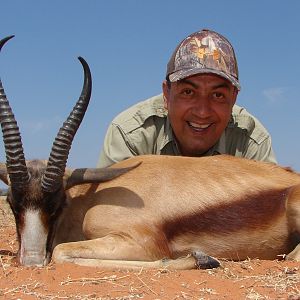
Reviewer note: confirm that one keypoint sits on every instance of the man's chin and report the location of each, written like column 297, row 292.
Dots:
column 195, row 153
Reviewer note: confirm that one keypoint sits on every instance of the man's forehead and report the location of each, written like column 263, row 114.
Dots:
column 213, row 79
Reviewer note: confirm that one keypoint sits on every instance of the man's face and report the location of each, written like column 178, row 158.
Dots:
column 199, row 109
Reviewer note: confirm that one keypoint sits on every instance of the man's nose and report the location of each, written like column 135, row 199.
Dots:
column 202, row 108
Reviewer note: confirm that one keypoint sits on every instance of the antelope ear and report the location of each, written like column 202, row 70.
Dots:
column 3, row 174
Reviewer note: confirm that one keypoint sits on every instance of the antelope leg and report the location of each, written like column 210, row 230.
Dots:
column 115, row 252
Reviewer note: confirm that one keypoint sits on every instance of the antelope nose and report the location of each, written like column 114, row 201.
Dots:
column 32, row 258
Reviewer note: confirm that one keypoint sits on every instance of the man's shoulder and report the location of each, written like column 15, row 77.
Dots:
column 243, row 120
column 136, row 115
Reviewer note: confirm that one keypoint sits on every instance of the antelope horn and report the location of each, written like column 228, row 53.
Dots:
column 91, row 175
column 15, row 160
column 53, row 176
column 3, row 41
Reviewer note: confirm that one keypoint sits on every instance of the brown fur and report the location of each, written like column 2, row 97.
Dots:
column 170, row 206
column 249, row 213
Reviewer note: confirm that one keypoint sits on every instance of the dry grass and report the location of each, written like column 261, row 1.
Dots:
column 253, row 279
column 6, row 216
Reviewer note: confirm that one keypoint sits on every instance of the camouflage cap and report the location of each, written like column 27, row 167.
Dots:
column 204, row 51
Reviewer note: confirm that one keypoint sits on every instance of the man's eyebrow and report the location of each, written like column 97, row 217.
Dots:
column 222, row 85
column 187, row 81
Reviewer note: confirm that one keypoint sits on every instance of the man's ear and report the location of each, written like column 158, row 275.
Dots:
column 235, row 94
column 166, row 93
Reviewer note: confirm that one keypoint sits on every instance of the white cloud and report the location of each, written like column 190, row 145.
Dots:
column 40, row 126
column 275, row 95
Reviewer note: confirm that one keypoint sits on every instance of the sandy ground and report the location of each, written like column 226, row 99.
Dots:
column 251, row 279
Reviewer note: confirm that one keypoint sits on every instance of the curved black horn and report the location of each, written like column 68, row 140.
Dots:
column 15, row 160
column 53, row 176
column 3, row 41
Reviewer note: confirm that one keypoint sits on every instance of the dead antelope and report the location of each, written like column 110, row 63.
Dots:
column 37, row 188
column 156, row 215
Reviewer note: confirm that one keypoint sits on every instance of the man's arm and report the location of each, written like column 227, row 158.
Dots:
column 116, row 147
column 262, row 151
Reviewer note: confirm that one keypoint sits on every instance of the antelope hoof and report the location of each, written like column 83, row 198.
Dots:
column 204, row 261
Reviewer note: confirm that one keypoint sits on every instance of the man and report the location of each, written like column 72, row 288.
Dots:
column 196, row 115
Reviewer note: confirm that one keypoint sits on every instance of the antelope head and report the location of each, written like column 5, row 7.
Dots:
column 37, row 189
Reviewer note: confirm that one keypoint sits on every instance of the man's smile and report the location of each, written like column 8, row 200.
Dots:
column 199, row 127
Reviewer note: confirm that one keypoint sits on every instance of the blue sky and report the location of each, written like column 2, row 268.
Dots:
column 127, row 44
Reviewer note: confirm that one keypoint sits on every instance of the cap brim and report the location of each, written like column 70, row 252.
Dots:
column 181, row 74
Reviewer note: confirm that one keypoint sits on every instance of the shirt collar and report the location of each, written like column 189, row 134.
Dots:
column 168, row 136
column 219, row 147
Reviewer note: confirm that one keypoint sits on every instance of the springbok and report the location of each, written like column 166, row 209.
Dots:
column 175, row 212
column 37, row 188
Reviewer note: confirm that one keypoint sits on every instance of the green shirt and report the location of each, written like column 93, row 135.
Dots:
column 145, row 129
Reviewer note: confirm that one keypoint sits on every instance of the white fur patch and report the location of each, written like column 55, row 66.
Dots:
column 33, row 239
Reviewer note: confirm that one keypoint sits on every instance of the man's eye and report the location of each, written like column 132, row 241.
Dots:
column 218, row 95
column 187, row 92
